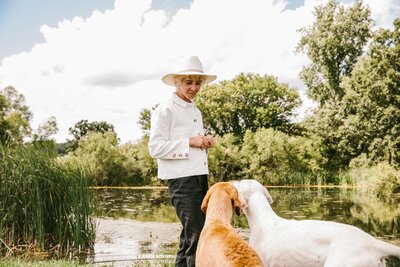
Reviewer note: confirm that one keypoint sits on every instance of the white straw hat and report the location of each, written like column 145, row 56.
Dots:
column 191, row 67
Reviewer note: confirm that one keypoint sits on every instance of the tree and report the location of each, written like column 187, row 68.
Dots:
column 4, row 124
column 144, row 120
column 41, row 136
column 99, row 152
column 274, row 157
column 46, row 129
column 83, row 128
column 333, row 43
column 249, row 101
column 326, row 125
column 14, row 116
column 371, row 107
column 225, row 160
column 137, row 156
column 109, row 163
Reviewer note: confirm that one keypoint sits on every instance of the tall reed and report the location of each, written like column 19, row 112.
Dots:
column 45, row 203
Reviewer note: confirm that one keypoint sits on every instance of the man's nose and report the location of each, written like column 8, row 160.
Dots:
column 195, row 87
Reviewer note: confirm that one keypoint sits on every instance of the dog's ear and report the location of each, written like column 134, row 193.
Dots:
column 204, row 204
column 243, row 203
column 268, row 196
column 235, row 201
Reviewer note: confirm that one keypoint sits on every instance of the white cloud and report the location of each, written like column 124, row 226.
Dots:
column 384, row 12
column 107, row 67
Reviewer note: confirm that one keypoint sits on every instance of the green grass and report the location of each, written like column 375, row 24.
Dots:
column 65, row 263
column 45, row 204
column 50, row 263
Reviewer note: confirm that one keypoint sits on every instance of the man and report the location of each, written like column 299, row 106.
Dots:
column 178, row 142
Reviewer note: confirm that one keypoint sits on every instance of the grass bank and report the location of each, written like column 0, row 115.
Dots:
column 45, row 204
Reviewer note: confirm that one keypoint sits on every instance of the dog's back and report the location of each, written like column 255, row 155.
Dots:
column 219, row 243
column 282, row 242
column 225, row 247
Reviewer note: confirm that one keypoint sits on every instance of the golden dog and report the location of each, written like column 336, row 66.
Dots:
column 219, row 244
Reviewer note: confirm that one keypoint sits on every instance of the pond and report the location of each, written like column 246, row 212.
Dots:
column 152, row 208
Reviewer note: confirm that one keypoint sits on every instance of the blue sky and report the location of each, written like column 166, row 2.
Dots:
column 102, row 60
column 20, row 20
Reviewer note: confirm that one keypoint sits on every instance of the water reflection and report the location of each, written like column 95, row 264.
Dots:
column 136, row 204
column 378, row 217
column 368, row 212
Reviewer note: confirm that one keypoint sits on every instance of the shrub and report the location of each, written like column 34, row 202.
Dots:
column 225, row 160
column 382, row 178
column 276, row 158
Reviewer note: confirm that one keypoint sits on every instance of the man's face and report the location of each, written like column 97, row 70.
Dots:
column 189, row 87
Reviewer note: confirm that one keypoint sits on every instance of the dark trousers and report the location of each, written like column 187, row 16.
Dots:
column 186, row 195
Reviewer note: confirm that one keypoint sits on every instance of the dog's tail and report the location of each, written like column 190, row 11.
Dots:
column 387, row 248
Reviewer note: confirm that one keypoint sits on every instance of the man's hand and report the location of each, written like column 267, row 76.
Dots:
column 211, row 140
column 202, row 141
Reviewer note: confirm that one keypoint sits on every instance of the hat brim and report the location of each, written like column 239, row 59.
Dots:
column 169, row 79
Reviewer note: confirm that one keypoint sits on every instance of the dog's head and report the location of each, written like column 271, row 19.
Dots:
column 248, row 187
column 231, row 192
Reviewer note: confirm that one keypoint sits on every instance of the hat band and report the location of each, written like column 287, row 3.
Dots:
column 192, row 70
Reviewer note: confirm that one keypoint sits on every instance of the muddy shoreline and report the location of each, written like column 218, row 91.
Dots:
column 125, row 240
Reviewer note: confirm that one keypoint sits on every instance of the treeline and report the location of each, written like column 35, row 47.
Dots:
column 351, row 137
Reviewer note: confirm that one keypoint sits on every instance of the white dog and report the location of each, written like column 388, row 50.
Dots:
column 281, row 242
